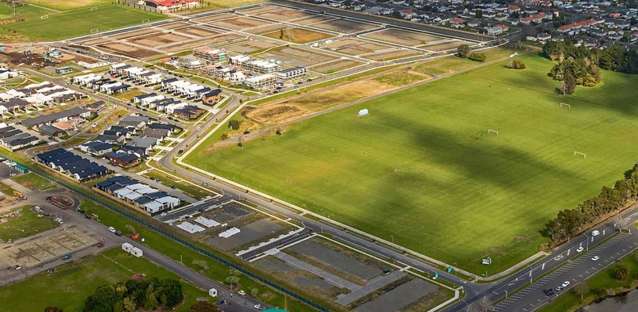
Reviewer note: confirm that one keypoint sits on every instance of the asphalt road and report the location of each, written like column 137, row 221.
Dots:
column 574, row 271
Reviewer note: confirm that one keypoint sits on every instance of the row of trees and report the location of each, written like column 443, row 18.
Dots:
column 129, row 296
column 570, row 222
column 614, row 58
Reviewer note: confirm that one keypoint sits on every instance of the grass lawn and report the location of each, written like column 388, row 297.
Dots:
column 570, row 301
column 67, row 5
column 76, row 22
column 421, row 170
column 70, row 284
column 25, row 11
column 26, row 224
column 188, row 188
column 33, row 181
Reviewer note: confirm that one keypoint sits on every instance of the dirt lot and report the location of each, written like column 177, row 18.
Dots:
column 197, row 31
column 277, row 13
column 391, row 55
column 353, row 46
column 44, row 247
column 400, row 297
column 212, row 18
column 298, row 278
column 335, row 66
column 314, row 19
column 127, row 50
column 345, row 26
column 335, row 258
column 156, row 39
column 297, row 56
column 240, row 23
column 297, row 35
column 402, row 37
column 306, row 104
column 251, row 46
column 443, row 46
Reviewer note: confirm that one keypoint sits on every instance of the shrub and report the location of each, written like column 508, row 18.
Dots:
column 478, row 57
column 517, row 64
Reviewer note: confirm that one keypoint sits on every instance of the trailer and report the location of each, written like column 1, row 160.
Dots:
column 129, row 248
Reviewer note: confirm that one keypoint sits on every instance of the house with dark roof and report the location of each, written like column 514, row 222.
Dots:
column 96, row 148
column 123, row 159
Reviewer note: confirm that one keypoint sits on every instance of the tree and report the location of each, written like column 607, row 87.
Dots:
column 569, row 83
column 172, row 293
column 233, row 124
column 254, row 292
column 102, row 300
column 232, row 281
column 463, row 51
column 203, row 306
column 581, row 290
column 477, row 56
column 621, row 273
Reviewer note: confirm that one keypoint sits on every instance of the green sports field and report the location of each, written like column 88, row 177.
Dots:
column 423, row 171
column 43, row 25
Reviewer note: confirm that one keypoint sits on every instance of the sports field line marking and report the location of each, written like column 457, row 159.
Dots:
column 45, row 8
column 117, row 263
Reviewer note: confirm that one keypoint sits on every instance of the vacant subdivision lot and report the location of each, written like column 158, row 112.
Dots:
column 297, row 35
column 62, row 289
column 424, row 170
column 22, row 222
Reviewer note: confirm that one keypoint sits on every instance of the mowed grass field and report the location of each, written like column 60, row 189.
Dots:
column 42, row 25
column 68, row 4
column 421, row 170
column 70, row 284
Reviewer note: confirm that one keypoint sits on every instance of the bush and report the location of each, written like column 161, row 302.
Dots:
column 463, row 51
column 517, row 64
column 478, row 57
column 621, row 273
column 233, row 124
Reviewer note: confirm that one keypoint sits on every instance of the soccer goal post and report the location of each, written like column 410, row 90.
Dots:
column 565, row 106
column 43, row 17
column 580, row 154
column 493, row 131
